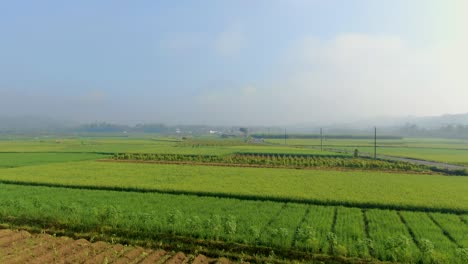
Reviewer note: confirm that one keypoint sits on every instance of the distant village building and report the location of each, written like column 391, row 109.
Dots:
column 257, row 140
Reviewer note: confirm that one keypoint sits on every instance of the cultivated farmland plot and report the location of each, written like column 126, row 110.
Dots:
column 391, row 238
column 333, row 212
column 372, row 189
column 279, row 225
column 442, row 150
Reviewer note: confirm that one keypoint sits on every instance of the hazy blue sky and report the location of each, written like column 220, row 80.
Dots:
column 233, row 62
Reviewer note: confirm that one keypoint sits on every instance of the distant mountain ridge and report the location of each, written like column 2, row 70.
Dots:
column 33, row 124
column 429, row 122
column 27, row 124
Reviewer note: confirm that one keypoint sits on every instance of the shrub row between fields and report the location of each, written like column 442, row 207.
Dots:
column 280, row 160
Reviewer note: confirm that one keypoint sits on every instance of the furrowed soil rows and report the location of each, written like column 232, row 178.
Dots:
column 23, row 247
column 9, row 238
column 108, row 254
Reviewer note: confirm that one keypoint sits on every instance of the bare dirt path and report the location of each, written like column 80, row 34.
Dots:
column 23, row 247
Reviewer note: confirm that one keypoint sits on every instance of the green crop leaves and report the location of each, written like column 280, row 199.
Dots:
column 230, row 225
column 398, row 248
column 307, row 236
column 254, row 233
column 334, row 247
column 174, row 218
column 276, row 225
column 462, row 255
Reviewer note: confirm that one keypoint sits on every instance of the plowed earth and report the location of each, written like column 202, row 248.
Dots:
column 23, row 247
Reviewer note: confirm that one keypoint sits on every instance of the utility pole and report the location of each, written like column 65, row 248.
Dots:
column 375, row 142
column 321, row 140
column 285, row 136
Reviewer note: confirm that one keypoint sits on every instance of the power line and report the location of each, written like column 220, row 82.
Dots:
column 285, row 136
column 375, row 142
column 321, row 140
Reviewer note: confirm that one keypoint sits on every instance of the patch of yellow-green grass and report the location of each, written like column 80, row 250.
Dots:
column 371, row 188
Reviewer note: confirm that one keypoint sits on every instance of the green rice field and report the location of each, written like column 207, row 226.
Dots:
column 349, row 187
column 72, row 184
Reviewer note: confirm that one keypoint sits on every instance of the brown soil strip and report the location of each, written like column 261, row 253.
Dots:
column 178, row 258
column 130, row 255
column 9, row 239
column 142, row 256
column 93, row 249
column 30, row 253
column 200, row 259
column 108, row 255
column 222, row 261
column 22, row 247
column 69, row 249
column 48, row 252
column 19, row 247
column 86, row 251
column 5, row 232
column 97, row 248
column 153, row 257
column 163, row 259
column 14, row 250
